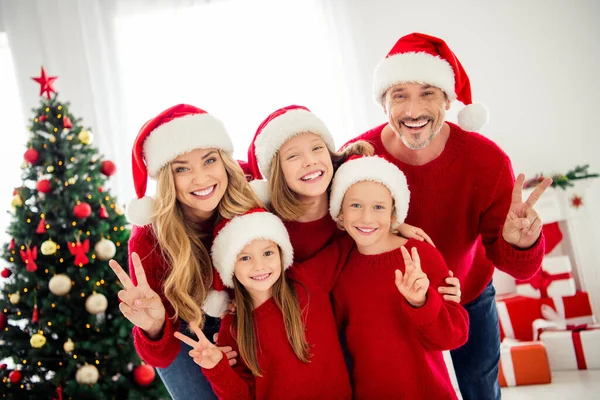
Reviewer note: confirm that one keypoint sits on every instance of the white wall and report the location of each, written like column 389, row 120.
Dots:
column 534, row 64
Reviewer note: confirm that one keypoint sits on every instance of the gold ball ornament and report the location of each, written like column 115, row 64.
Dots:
column 15, row 298
column 105, row 249
column 48, row 247
column 52, row 138
column 24, row 165
column 69, row 346
column 119, row 209
column 96, row 303
column 87, row 375
column 37, row 341
column 85, row 137
column 50, row 168
column 72, row 181
column 17, row 201
column 60, row 285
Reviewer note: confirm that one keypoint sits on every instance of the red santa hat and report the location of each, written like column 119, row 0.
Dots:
column 426, row 59
column 231, row 236
column 175, row 131
column 375, row 169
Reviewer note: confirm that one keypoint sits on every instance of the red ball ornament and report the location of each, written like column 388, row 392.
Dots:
column 108, row 168
column 82, row 210
column 144, row 374
column 31, row 156
column 2, row 321
column 6, row 273
column 15, row 377
column 42, row 118
column 44, row 186
column 3, row 366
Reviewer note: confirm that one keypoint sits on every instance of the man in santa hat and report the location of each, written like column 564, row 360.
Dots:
column 463, row 191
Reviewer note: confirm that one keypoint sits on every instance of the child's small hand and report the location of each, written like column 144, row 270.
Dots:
column 452, row 291
column 413, row 284
column 412, row 232
column 204, row 353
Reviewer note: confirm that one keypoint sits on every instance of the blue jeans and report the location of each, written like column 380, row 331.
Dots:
column 184, row 378
column 476, row 363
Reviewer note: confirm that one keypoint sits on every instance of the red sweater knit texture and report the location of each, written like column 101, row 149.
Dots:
column 397, row 349
column 461, row 200
column 162, row 351
column 284, row 376
column 308, row 238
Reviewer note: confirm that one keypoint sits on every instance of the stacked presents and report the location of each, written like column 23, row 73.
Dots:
column 547, row 325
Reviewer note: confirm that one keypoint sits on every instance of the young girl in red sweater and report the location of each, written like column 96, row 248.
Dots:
column 283, row 328
column 391, row 283
column 188, row 152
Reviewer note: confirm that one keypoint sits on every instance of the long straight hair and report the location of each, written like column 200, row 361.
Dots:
column 243, row 328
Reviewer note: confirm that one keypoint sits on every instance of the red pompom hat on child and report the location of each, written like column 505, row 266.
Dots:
column 175, row 131
column 426, row 59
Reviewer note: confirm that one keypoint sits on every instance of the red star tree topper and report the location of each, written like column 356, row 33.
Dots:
column 46, row 83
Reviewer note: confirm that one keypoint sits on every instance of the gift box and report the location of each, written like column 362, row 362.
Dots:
column 569, row 347
column 523, row 363
column 554, row 279
column 517, row 313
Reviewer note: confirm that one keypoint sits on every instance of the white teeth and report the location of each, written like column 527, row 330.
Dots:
column 366, row 230
column 204, row 192
column 416, row 124
column 260, row 277
column 312, row 176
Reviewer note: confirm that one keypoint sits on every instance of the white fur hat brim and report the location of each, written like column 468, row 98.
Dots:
column 241, row 231
column 413, row 67
column 182, row 135
column 374, row 169
column 216, row 303
column 281, row 129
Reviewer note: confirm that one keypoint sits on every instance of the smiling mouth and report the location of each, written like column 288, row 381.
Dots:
column 204, row 192
column 365, row 231
column 416, row 124
column 312, row 176
column 260, row 277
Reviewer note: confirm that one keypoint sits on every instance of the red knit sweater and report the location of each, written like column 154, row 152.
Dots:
column 396, row 349
column 461, row 199
column 284, row 375
column 308, row 238
column 162, row 351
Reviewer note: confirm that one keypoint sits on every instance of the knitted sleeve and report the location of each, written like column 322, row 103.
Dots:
column 325, row 267
column 520, row 263
column 229, row 382
column 159, row 352
column 441, row 325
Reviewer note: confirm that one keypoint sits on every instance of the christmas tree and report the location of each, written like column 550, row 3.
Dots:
column 59, row 314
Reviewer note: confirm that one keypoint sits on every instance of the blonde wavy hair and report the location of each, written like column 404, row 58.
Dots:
column 180, row 239
column 284, row 202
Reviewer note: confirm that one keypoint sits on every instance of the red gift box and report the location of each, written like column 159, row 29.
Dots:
column 517, row 313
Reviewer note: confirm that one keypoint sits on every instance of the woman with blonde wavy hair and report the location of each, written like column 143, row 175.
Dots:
column 171, row 276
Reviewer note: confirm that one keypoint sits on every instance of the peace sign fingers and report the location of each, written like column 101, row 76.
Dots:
column 538, row 192
column 140, row 274
column 122, row 275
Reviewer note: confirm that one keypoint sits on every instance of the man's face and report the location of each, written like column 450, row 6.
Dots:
column 416, row 113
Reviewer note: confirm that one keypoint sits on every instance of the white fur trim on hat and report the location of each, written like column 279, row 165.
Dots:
column 375, row 169
column 413, row 67
column 139, row 211
column 281, row 129
column 241, row 231
column 216, row 303
column 261, row 189
column 473, row 117
column 182, row 135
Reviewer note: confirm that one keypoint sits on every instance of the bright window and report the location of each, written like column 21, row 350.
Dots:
column 238, row 60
